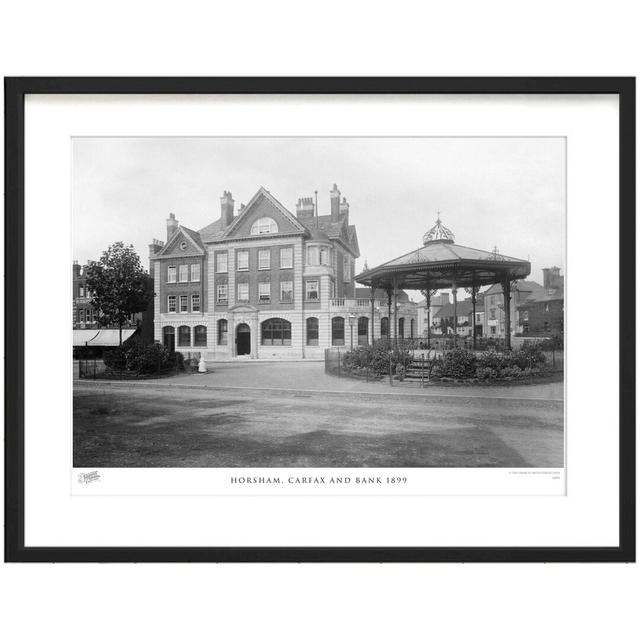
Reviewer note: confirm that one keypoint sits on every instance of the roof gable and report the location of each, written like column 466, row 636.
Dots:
column 184, row 242
column 263, row 205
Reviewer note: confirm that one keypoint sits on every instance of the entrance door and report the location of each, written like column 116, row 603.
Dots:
column 243, row 340
column 169, row 338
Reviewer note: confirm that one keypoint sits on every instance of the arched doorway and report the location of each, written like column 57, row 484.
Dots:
column 243, row 340
column 169, row 338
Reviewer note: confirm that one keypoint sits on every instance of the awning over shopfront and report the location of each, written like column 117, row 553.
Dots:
column 100, row 337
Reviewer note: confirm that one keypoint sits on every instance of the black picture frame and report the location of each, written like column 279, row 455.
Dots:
column 15, row 91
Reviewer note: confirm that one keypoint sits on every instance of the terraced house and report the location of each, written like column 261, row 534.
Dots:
column 260, row 283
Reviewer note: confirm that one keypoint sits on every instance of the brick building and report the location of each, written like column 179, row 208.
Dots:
column 494, row 307
column 261, row 283
column 85, row 317
column 542, row 313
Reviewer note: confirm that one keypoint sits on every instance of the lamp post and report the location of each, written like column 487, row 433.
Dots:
column 351, row 319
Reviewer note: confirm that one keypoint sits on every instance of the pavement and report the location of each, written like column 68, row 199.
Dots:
column 310, row 377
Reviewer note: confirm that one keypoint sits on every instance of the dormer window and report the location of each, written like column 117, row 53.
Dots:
column 264, row 225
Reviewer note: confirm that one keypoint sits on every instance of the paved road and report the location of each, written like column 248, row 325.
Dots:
column 160, row 424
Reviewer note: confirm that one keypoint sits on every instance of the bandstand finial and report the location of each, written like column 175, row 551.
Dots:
column 438, row 233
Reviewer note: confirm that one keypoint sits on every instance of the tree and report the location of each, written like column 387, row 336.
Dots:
column 119, row 285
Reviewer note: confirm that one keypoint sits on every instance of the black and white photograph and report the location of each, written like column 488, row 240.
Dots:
column 309, row 303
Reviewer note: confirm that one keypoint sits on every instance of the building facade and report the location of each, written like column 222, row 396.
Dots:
column 84, row 316
column 542, row 313
column 444, row 319
column 494, row 317
column 262, row 283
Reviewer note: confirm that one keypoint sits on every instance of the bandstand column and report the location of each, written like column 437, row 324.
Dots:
column 373, row 300
column 395, row 312
column 428, row 300
column 454, row 291
column 389, row 314
column 506, row 291
column 474, row 292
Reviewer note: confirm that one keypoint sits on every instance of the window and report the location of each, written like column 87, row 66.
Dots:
column 313, row 255
column 412, row 328
column 332, row 289
column 546, row 308
column 195, row 302
column 222, row 331
column 337, row 331
column 81, row 315
column 492, row 314
column 286, row 258
column 264, row 291
column 286, row 290
column 324, row 256
column 312, row 290
column 81, row 292
column 276, row 331
column 363, row 330
column 171, row 274
column 171, row 304
column 200, row 336
column 222, row 262
column 264, row 259
column 195, row 272
column 243, row 292
column 312, row 332
column 493, row 330
column 346, row 272
column 222, row 295
column 184, row 304
column 525, row 327
column 184, row 273
column 384, row 327
column 243, row 260
column 546, row 326
column 401, row 328
column 184, row 336
column 525, row 315
column 264, row 225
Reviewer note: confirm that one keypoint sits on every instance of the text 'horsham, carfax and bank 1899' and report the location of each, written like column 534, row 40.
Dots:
column 311, row 480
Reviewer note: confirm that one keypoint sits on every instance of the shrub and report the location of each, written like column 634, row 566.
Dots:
column 376, row 358
column 511, row 372
column 139, row 358
column 486, row 373
column 529, row 355
column 457, row 363
column 491, row 360
column 115, row 359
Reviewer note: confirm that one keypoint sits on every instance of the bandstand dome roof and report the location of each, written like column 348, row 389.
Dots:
column 440, row 263
column 438, row 233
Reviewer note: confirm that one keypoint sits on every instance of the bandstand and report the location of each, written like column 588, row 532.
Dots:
column 442, row 264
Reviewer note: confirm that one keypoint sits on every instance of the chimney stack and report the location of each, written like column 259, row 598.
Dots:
column 335, row 203
column 305, row 209
column 552, row 280
column 172, row 225
column 344, row 208
column 226, row 204
column 154, row 247
column 76, row 269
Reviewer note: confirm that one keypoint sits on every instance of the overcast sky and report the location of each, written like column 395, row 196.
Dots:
column 504, row 192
